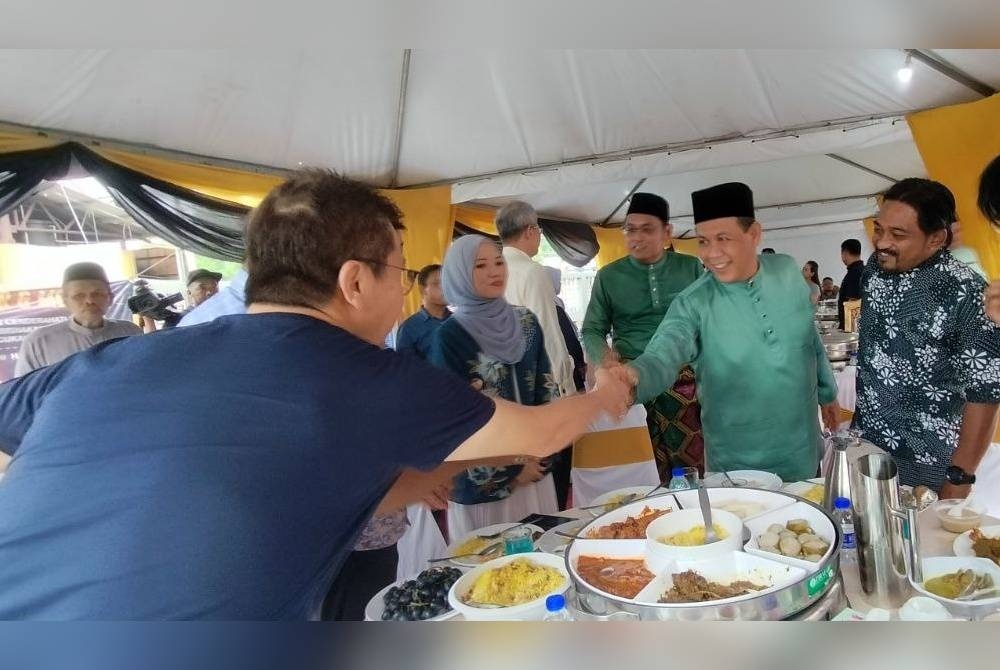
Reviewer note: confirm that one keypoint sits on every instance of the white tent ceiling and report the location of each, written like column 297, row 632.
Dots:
column 570, row 131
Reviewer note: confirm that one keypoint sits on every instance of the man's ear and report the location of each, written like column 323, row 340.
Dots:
column 350, row 280
column 756, row 232
column 939, row 238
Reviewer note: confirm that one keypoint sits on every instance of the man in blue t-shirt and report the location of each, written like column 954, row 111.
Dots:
column 235, row 486
column 417, row 332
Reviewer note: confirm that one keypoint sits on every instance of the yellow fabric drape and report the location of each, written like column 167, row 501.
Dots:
column 956, row 143
column 245, row 188
column 869, row 222
column 686, row 246
column 612, row 245
column 476, row 218
column 11, row 142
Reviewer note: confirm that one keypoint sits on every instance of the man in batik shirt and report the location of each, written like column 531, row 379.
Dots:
column 929, row 363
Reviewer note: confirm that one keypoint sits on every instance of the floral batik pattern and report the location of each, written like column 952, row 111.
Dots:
column 926, row 349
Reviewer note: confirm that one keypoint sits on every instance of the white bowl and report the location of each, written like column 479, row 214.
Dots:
column 942, row 565
column 684, row 520
column 533, row 610
column 971, row 517
column 606, row 498
column 730, row 499
column 754, row 479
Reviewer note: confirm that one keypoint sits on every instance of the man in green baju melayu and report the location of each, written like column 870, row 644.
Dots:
column 747, row 329
column 628, row 301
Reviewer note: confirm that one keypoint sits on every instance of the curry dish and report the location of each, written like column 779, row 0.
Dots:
column 623, row 577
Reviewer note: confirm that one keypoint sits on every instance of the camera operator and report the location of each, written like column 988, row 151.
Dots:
column 201, row 285
column 87, row 295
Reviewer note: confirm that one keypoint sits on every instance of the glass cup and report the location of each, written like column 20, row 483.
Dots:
column 518, row 540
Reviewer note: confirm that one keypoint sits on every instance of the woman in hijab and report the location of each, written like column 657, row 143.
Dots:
column 498, row 348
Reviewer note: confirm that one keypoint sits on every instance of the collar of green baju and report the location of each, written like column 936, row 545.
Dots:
column 646, row 266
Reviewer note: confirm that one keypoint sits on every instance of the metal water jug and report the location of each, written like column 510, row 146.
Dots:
column 886, row 532
column 836, row 469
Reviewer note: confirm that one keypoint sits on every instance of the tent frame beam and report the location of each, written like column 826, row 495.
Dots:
column 397, row 145
column 844, row 124
column 941, row 66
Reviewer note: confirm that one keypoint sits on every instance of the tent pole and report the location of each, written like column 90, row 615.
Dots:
column 404, row 80
column 863, row 168
column 604, row 223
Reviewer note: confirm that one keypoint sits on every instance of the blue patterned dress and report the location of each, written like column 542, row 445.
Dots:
column 528, row 382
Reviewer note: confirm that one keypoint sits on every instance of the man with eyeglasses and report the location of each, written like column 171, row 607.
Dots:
column 628, row 301
column 236, row 486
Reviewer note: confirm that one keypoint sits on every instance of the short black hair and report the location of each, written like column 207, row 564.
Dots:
column 933, row 202
column 765, row 250
column 425, row 273
column 825, row 278
column 851, row 246
column 304, row 231
column 989, row 192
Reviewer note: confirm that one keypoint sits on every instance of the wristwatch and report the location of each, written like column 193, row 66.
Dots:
column 958, row 476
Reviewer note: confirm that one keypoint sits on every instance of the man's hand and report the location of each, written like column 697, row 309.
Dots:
column 950, row 490
column 613, row 390
column 531, row 472
column 437, row 499
column 831, row 416
column 991, row 300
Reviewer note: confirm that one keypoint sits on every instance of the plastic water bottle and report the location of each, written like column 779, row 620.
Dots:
column 678, row 482
column 848, row 547
column 555, row 608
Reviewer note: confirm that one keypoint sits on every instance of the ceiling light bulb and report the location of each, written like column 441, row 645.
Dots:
column 905, row 73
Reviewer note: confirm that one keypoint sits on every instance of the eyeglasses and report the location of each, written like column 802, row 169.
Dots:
column 407, row 277
column 629, row 231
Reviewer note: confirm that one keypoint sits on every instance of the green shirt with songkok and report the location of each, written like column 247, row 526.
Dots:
column 629, row 300
column 761, row 367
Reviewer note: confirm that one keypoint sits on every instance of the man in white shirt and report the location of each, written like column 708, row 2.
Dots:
column 528, row 284
column 87, row 295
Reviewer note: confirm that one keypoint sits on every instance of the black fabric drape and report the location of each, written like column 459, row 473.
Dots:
column 185, row 218
column 575, row 242
column 21, row 172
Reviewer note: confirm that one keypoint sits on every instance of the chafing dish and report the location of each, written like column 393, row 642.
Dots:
column 803, row 595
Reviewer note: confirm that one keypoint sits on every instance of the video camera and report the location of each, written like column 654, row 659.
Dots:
column 145, row 302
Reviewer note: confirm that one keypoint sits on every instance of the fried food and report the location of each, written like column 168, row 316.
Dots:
column 632, row 528
column 515, row 583
column 985, row 547
column 690, row 587
column 473, row 545
column 623, row 577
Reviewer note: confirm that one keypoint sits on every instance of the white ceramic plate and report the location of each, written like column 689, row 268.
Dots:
column 962, row 546
column 551, row 543
column 472, row 561
column 609, row 498
column 375, row 606
column 745, row 503
column 757, row 479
